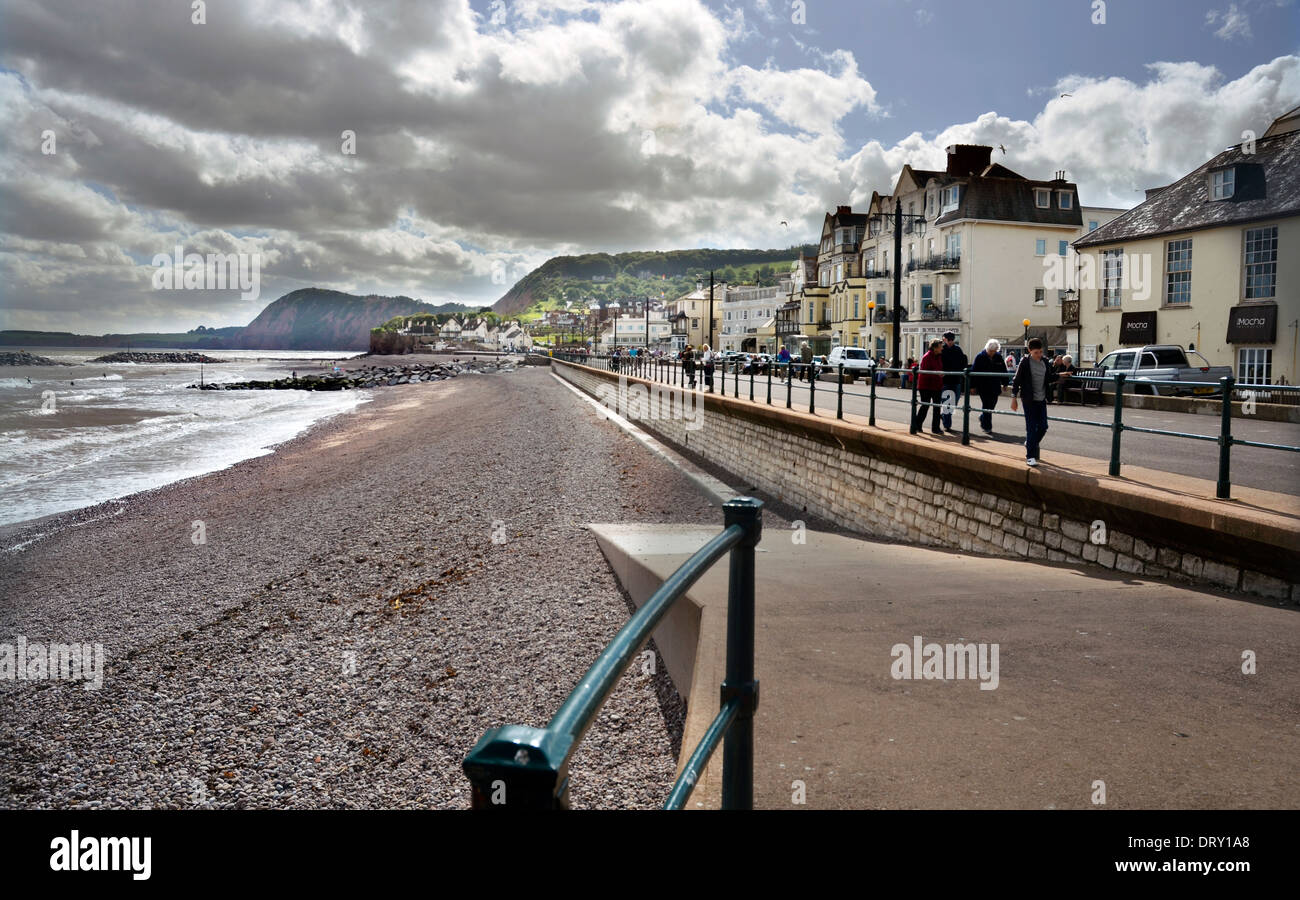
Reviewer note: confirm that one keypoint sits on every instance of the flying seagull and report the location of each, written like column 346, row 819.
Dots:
column 1067, row 95
column 1003, row 148
column 785, row 223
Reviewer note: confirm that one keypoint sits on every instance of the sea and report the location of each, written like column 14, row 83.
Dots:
column 79, row 435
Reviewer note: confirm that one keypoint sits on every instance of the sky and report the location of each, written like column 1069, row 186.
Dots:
column 441, row 149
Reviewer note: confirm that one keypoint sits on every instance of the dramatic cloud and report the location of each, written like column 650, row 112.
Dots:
column 484, row 143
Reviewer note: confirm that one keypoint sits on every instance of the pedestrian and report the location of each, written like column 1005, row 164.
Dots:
column 954, row 363
column 688, row 365
column 1032, row 379
column 908, row 376
column 707, row 358
column 805, row 358
column 929, row 382
column 989, row 371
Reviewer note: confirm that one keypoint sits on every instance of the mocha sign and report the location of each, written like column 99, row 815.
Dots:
column 1137, row 328
column 1253, row 324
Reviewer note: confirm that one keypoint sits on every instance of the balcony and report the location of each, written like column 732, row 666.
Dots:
column 941, row 313
column 937, row 263
column 878, row 273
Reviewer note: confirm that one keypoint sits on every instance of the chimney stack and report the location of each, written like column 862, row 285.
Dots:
column 968, row 159
column 843, row 210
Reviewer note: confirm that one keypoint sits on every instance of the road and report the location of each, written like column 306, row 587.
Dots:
column 1271, row 470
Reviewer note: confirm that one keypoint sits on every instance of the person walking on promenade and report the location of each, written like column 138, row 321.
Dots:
column 707, row 359
column 783, row 360
column 1032, row 379
column 954, row 363
column 929, row 382
column 908, row 375
column 988, row 373
column 805, row 357
column 688, row 365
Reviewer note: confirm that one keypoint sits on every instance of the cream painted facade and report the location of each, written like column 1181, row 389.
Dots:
column 746, row 311
column 694, row 329
column 977, row 278
column 1217, row 286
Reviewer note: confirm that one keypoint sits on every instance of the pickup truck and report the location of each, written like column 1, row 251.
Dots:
column 1159, row 369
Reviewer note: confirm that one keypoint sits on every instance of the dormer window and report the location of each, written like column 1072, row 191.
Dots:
column 1066, row 199
column 1222, row 184
column 950, row 197
column 1042, row 198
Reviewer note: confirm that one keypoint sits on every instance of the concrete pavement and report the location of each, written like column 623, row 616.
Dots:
column 1125, row 681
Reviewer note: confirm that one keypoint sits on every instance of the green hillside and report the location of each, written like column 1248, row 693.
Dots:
column 604, row 277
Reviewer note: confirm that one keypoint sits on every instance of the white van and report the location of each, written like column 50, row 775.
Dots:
column 856, row 361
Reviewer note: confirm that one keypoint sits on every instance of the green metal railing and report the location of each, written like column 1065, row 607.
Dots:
column 520, row 767
column 1226, row 388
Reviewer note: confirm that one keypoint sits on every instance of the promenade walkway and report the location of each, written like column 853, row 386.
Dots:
column 1125, row 681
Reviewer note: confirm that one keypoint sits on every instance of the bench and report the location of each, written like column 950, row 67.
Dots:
column 1084, row 389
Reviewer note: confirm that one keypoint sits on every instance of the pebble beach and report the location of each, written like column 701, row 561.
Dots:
column 334, row 625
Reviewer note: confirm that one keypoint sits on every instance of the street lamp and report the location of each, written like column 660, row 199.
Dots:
column 615, row 307
column 896, row 222
column 1026, row 324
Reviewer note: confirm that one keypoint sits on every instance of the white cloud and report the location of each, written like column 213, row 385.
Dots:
column 1232, row 23
column 570, row 128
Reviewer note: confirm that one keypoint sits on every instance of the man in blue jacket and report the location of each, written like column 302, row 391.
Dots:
column 1032, row 378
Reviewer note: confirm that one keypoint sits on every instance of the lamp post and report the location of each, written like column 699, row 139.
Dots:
column 896, row 222
column 1026, row 324
column 871, row 323
column 615, row 307
column 710, row 341
column 647, row 323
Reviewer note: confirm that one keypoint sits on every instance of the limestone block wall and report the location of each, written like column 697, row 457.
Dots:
column 893, row 485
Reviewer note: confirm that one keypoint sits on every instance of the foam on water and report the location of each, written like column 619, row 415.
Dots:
column 51, row 461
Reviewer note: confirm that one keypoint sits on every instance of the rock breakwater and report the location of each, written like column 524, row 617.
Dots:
column 369, row 377
column 137, row 357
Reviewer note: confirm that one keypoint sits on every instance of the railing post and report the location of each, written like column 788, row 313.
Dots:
column 738, row 746
column 839, row 395
column 1224, row 489
column 872, row 418
column 519, row 767
column 769, row 382
column 751, row 382
column 965, row 406
column 1117, row 427
column 789, row 382
column 736, row 382
column 812, row 391
column 912, row 429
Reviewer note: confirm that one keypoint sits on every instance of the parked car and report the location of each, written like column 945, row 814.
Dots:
column 856, row 361
column 1159, row 369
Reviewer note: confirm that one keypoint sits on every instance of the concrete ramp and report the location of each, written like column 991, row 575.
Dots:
column 1132, row 683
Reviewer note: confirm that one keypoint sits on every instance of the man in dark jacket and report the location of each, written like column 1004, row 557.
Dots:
column 1032, row 380
column 988, row 377
column 954, row 360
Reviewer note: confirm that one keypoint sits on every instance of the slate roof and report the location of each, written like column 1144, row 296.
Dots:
column 1012, row 200
column 1267, row 186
